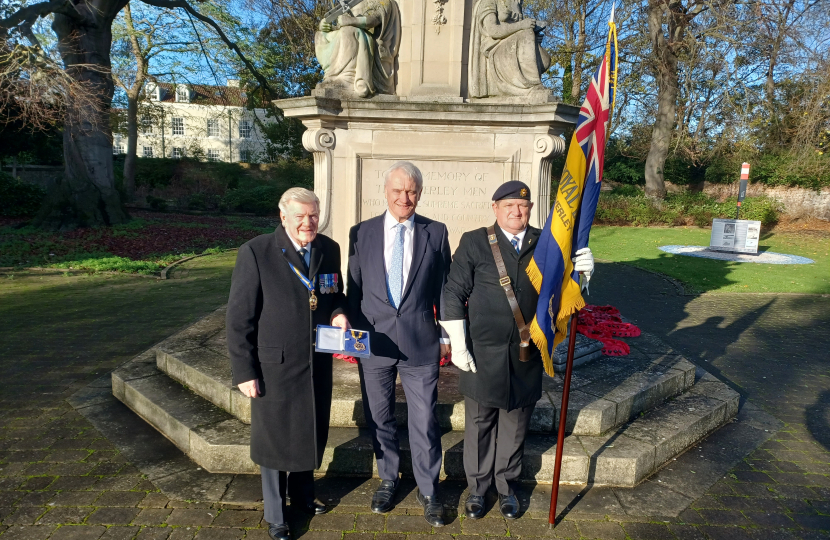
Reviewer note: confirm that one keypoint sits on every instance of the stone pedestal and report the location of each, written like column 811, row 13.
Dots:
column 465, row 151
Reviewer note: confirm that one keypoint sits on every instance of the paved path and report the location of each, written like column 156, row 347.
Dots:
column 60, row 479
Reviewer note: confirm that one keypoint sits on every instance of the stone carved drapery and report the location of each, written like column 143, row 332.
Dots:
column 545, row 147
column 358, row 57
column 505, row 56
column 320, row 142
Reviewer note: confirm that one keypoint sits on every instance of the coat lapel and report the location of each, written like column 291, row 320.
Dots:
column 316, row 257
column 420, row 236
column 530, row 241
column 284, row 244
column 375, row 241
column 508, row 252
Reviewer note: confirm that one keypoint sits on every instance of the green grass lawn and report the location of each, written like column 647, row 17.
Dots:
column 638, row 246
column 52, row 316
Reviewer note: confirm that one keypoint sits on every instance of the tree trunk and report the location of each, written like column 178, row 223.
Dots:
column 567, row 84
column 132, row 145
column 667, row 89
column 133, row 93
column 86, row 196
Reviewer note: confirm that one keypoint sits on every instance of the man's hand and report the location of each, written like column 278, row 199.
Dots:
column 250, row 389
column 461, row 357
column 445, row 350
column 341, row 321
column 584, row 262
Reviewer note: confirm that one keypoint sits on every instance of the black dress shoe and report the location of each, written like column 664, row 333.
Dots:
column 433, row 510
column 278, row 531
column 509, row 506
column 314, row 508
column 382, row 499
column 474, row 507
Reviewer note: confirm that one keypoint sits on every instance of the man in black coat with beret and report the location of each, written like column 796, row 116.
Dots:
column 500, row 388
column 285, row 284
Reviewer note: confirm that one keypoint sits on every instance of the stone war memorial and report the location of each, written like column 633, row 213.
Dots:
column 424, row 81
column 440, row 84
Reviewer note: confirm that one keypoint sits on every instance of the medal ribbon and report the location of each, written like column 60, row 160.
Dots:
column 309, row 283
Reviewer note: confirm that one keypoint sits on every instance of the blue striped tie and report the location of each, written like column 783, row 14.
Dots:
column 394, row 281
column 515, row 242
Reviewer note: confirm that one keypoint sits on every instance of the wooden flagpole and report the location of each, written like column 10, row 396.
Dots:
column 563, row 418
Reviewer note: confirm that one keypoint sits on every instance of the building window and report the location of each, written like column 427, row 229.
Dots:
column 154, row 92
column 146, row 125
column 148, row 151
column 245, row 128
column 117, row 149
column 182, row 94
column 178, row 153
column 213, row 127
column 178, row 126
column 244, row 155
column 213, row 155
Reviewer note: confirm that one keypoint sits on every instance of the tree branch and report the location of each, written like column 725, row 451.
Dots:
column 30, row 14
column 183, row 4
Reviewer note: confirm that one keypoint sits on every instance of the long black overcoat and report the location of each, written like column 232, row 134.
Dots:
column 270, row 330
column 493, row 337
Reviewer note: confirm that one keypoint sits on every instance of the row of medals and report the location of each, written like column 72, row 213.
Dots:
column 312, row 300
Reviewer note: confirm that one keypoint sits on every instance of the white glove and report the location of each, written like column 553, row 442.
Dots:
column 461, row 357
column 584, row 263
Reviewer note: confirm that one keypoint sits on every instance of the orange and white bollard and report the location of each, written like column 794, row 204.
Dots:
column 742, row 187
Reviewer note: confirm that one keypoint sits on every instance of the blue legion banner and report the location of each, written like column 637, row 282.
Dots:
column 569, row 224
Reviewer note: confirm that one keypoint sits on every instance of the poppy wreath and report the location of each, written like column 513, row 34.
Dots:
column 604, row 323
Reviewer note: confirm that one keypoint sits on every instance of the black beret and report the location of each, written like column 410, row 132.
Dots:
column 513, row 189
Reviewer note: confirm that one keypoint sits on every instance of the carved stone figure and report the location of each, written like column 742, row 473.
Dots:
column 358, row 55
column 506, row 56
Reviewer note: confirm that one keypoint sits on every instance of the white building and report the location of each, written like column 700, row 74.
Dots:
column 195, row 120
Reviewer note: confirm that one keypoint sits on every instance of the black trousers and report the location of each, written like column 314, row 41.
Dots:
column 494, row 444
column 299, row 486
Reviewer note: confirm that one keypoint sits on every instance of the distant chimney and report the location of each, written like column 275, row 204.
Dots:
column 233, row 83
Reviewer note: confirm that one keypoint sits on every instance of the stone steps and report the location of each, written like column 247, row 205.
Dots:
column 218, row 441
column 604, row 393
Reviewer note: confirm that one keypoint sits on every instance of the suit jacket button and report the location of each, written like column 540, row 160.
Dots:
column 398, row 315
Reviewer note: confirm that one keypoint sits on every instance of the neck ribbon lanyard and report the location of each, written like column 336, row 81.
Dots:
column 308, row 283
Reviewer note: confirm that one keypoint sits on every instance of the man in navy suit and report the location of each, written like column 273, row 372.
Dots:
column 398, row 265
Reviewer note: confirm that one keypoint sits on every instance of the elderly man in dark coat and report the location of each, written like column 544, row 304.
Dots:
column 500, row 389
column 284, row 285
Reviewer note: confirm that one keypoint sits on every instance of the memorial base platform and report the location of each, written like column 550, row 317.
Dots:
column 627, row 416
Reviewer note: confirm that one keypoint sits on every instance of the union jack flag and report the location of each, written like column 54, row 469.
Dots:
column 569, row 223
column 595, row 115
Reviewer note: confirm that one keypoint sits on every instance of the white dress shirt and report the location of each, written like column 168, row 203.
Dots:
column 298, row 247
column 389, row 235
column 520, row 236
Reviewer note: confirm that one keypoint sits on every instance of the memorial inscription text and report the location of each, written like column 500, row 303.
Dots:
column 457, row 194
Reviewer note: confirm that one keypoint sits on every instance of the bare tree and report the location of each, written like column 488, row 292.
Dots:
column 87, row 196
column 576, row 31
column 152, row 34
